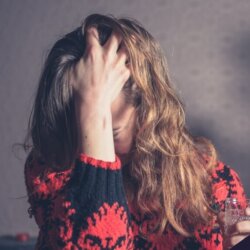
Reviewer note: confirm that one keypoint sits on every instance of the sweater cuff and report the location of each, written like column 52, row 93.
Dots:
column 100, row 163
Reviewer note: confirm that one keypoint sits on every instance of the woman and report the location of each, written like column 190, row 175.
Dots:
column 112, row 165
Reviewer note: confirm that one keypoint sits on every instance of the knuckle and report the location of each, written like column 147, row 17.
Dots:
column 91, row 49
column 92, row 52
column 106, row 57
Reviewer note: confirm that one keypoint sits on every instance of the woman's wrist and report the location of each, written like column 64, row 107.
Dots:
column 95, row 133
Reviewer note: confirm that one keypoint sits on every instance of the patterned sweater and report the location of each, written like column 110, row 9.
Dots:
column 85, row 207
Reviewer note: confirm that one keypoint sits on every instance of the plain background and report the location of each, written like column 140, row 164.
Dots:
column 207, row 44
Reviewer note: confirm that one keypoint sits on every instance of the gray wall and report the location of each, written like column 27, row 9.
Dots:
column 207, row 44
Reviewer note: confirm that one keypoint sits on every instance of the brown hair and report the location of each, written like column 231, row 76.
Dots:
column 169, row 176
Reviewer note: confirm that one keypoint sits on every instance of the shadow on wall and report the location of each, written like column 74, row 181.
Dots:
column 234, row 145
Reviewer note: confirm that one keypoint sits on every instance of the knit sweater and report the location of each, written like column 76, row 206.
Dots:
column 85, row 207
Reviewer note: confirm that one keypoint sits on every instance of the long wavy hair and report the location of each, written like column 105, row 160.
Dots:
column 169, row 174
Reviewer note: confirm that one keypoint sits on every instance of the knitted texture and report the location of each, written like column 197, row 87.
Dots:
column 85, row 207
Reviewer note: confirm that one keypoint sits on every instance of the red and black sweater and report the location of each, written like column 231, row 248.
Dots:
column 85, row 207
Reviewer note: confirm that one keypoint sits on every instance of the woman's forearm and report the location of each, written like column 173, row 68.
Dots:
column 97, row 79
column 95, row 132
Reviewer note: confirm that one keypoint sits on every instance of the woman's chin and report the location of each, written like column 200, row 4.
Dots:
column 123, row 154
column 121, row 149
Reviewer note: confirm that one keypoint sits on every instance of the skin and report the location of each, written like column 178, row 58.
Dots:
column 237, row 233
column 105, row 121
column 123, row 122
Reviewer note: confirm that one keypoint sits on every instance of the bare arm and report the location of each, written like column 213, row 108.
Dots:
column 66, row 204
column 97, row 80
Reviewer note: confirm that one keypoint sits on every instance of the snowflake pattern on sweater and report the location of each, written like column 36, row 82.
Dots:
column 84, row 207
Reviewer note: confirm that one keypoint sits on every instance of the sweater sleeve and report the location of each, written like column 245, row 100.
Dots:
column 83, row 207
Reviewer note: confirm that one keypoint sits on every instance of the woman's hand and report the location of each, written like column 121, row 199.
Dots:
column 97, row 79
column 235, row 233
column 100, row 75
